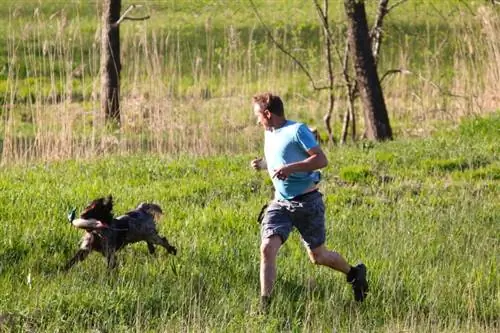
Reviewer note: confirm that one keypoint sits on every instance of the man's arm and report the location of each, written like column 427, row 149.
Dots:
column 316, row 160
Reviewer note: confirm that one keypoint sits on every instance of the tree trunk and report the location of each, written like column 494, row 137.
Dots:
column 376, row 118
column 110, row 61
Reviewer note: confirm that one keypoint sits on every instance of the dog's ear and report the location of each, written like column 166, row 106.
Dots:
column 109, row 202
column 155, row 208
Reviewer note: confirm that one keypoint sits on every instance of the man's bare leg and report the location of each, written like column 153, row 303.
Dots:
column 356, row 276
column 268, row 252
column 322, row 256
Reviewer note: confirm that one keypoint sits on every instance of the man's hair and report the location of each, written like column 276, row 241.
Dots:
column 268, row 101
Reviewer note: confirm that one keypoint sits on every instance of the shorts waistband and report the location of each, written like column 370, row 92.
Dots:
column 304, row 195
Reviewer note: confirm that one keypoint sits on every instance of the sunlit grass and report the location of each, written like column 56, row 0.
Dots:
column 429, row 236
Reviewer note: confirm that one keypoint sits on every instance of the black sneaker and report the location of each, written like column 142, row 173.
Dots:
column 357, row 278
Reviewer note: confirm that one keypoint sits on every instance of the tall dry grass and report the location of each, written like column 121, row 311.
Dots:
column 180, row 97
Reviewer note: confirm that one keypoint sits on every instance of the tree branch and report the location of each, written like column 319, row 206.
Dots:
column 281, row 47
column 323, row 17
column 395, row 5
column 136, row 18
column 376, row 31
column 394, row 71
column 125, row 17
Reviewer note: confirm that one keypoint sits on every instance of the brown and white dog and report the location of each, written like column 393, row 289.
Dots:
column 106, row 234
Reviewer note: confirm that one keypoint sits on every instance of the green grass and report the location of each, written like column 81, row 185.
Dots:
column 428, row 232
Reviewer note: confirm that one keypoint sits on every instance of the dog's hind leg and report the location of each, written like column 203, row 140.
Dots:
column 156, row 239
column 79, row 256
column 111, row 259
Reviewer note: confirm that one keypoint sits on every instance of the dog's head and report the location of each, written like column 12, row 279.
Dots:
column 100, row 209
column 152, row 209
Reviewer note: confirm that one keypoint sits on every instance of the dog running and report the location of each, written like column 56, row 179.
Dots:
column 106, row 234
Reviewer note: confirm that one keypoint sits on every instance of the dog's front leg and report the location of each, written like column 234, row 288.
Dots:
column 151, row 248
column 164, row 242
column 155, row 239
column 170, row 249
column 79, row 256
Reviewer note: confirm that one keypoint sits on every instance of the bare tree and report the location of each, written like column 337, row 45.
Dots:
column 377, row 126
column 376, row 34
column 110, row 57
column 374, row 39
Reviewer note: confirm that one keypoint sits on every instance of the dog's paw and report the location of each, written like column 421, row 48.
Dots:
column 172, row 250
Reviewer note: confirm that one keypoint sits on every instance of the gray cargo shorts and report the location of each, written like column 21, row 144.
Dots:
column 306, row 213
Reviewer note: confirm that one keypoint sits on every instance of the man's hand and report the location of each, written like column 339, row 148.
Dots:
column 258, row 164
column 316, row 160
column 283, row 172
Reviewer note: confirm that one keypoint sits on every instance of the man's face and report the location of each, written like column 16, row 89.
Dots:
column 263, row 116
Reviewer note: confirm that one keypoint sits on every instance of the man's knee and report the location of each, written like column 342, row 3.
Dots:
column 319, row 255
column 316, row 258
column 270, row 246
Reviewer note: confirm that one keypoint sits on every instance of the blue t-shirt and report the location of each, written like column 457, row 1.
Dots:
column 285, row 145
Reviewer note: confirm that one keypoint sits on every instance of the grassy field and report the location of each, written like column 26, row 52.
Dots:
column 422, row 214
